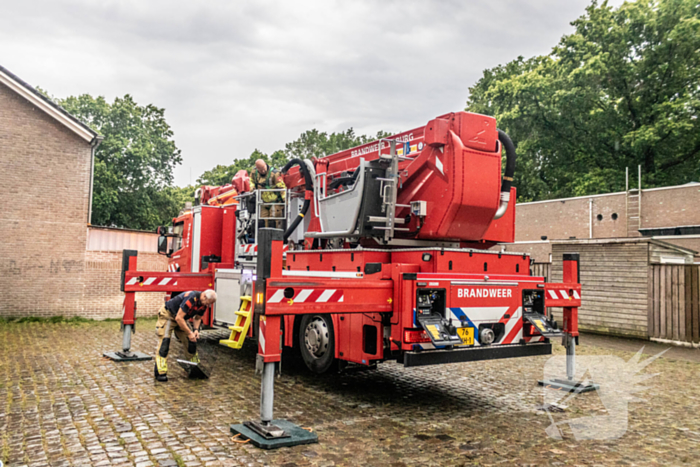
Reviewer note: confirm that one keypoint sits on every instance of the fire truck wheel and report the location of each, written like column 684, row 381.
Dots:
column 317, row 342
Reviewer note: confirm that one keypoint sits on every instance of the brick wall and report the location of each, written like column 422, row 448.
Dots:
column 561, row 219
column 101, row 296
column 671, row 207
column 565, row 218
column 46, row 176
column 45, row 269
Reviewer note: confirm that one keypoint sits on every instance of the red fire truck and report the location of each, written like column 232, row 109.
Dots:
column 382, row 253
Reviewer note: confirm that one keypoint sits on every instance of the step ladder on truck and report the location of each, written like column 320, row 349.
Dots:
column 384, row 257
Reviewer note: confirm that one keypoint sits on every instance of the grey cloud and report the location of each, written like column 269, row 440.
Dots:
column 234, row 76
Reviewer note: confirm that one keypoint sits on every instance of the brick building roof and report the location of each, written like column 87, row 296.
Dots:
column 42, row 102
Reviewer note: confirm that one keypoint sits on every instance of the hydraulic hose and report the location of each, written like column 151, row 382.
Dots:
column 308, row 187
column 508, row 174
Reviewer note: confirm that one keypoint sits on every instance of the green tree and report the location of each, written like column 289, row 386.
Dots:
column 313, row 143
column 222, row 174
column 133, row 165
column 180, row 196
column 622, row 90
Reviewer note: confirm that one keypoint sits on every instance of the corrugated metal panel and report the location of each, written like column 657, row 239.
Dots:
column 118, row 240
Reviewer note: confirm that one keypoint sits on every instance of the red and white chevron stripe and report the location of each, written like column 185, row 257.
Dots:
column 562, row 294
column 173, row 267
column 151, row 280
column 261, row 335
column 253, row 248
column 309, row 296
column 513, row 321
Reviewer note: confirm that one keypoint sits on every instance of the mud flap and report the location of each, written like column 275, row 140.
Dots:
column 441, row 334
column 193, row 370
column 542, row 325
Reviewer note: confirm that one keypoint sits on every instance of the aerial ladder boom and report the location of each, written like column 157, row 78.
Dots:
column 440, row 182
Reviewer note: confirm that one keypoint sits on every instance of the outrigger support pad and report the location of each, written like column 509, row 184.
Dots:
column 193, row 370
column 269, row 433
column 569, row 384
column 571, row 275
column 126, row 355
column 129, row 262
column 276, row 434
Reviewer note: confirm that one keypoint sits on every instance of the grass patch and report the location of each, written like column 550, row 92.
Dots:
column 52, row 319
column 59, row 320
column 178, row 460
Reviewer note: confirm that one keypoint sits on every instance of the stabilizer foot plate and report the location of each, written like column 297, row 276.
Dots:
column 122, row 356
column 193, row 370
column 569, row 386
column 292, row 435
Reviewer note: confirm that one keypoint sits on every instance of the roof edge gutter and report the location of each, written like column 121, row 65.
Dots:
column 94, row 144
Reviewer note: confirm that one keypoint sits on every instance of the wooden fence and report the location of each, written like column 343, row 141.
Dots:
column 674, row 302
column 542, row 269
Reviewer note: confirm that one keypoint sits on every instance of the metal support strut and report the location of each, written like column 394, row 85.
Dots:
column 570, row 344
column 267, row 393
column 569, row 340
column 129, row 258
column 268, row 433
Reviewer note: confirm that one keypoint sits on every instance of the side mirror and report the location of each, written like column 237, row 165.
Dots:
column 162, row 245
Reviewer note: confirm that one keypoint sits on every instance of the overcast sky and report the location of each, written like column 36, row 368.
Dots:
column 234, row 76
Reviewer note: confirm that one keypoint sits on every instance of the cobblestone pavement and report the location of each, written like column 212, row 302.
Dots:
column 62, row 404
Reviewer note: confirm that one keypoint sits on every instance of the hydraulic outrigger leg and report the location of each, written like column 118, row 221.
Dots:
column 269, row 433
column 128, row 316
column 570, row 339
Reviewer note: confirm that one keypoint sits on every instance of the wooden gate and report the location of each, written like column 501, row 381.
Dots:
column 674, row 302
column 542, row 269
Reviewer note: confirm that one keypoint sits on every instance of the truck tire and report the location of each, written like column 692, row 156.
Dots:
column 317, row 343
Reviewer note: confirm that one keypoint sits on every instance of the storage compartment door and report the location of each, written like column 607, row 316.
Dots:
column 228, row 302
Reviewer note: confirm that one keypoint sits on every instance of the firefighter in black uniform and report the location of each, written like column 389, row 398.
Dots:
column 173, row 316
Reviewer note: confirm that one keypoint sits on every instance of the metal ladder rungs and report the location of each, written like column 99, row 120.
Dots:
column 387, row 157
column 240, row 328
column 402, row 229
column 397, row 220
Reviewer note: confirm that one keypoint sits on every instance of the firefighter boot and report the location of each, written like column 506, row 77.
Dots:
column 160, row 370
column 192, row 352
column 163, row 331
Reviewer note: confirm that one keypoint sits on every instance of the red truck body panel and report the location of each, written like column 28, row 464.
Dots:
column 372, row 294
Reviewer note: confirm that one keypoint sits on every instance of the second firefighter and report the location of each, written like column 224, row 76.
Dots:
column 173, row 317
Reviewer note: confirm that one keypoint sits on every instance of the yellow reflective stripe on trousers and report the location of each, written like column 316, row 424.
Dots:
column 161, row 364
